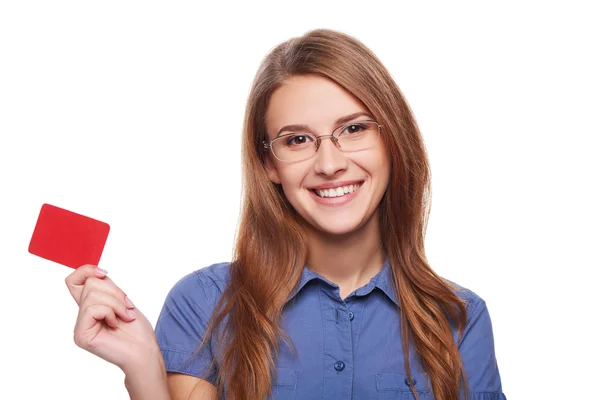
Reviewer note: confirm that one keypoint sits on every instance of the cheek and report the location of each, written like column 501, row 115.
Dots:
column 382, row 156
column 381, row 162
column 293, row 175
column 385, row 167
column 292, row 178
column 376, row 164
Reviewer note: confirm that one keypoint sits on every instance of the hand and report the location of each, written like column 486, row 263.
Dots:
column 108, row 324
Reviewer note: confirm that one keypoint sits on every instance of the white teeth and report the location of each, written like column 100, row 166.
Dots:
column 337, row 192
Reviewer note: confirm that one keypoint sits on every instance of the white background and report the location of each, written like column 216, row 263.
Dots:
column 131, row 113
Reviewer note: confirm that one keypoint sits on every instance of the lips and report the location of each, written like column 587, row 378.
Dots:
column 337, row 192
column 337, row 200
column 334, row 185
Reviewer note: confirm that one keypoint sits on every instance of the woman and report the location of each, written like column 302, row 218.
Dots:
column 329, row 294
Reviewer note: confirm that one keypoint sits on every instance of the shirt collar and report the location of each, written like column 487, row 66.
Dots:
column 383, row 281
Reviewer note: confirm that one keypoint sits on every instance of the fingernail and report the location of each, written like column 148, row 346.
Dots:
column 128, row 303
column 131, row 313
column 100, row 271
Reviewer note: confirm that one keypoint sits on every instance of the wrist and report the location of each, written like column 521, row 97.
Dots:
column 148, row 380
column 148, row 362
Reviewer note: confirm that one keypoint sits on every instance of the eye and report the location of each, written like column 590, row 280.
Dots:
column 297, row 140
column 353, row 129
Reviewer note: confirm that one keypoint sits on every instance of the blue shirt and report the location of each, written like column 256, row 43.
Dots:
column 347, row 348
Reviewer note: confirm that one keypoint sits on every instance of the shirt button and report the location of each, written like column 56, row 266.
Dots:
column 407, row 382
column 339, row 366
column 351, row 315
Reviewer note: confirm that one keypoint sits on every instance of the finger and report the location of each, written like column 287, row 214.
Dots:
column 77, row 278
column 95, row 297
column 105, row 285
column 89, row 323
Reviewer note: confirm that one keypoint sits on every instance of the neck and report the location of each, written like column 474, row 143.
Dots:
column 349, row 260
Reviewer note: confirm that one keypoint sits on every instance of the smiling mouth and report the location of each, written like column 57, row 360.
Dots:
column 336, row 192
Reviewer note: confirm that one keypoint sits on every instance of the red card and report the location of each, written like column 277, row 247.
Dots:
column 68, row 238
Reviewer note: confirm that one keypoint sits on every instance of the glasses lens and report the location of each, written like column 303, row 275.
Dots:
column 294, row 147
column 356, row 136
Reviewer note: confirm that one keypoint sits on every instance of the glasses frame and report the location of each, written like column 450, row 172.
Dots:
column 268, row 144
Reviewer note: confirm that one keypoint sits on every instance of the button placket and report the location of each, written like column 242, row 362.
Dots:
column 337, row 347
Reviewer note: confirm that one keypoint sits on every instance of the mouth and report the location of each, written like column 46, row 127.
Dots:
column 339, row 191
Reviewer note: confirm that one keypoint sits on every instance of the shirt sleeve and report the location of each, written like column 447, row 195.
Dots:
column 478, row 355
column 182, row 324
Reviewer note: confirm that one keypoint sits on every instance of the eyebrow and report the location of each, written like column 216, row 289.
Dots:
column 338, row 122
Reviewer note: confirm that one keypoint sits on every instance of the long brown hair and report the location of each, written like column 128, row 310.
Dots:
column 271, row 246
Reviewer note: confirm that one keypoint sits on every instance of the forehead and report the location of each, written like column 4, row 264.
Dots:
column 312, row 100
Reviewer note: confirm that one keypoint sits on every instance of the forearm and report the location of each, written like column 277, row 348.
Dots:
column 148, row 382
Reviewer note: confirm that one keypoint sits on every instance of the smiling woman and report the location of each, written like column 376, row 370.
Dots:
column 363, row 164
column 329, row 294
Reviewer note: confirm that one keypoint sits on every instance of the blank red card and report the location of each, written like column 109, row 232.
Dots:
column 68, row 238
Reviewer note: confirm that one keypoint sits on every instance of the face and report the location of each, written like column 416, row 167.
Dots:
column 318, row 102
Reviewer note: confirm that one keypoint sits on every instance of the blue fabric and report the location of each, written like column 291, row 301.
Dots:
column 348, row 349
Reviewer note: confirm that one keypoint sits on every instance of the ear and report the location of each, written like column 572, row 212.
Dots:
column 271, row 170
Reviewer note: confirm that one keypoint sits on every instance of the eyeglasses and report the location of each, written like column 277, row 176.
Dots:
column 299, row 146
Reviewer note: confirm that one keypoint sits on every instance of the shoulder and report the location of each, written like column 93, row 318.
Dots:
column 212, row 277
column 215, row 275
column 208, row 281
column 478, row 321
column 471, row 300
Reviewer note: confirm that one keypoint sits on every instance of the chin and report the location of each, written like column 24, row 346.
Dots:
column 336, row 227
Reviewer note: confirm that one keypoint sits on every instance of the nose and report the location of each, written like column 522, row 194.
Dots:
column 329, row 158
